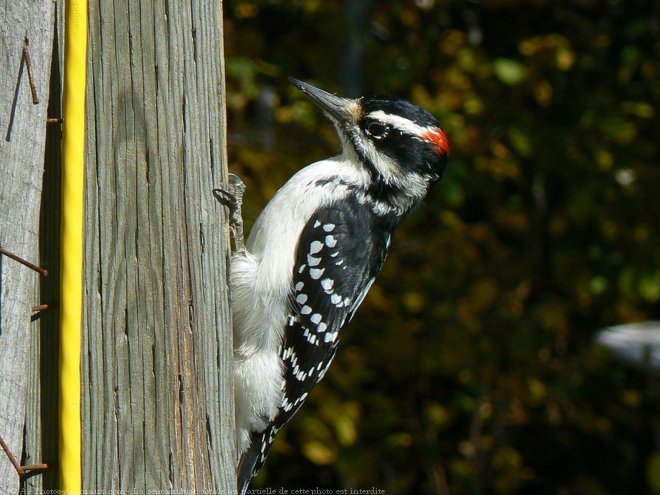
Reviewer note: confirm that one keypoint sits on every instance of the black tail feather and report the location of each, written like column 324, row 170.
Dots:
column 251, row 462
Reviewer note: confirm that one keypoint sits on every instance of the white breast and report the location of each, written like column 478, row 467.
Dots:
column 274, row 237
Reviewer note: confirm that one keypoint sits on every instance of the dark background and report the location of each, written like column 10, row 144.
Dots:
column 471, row 368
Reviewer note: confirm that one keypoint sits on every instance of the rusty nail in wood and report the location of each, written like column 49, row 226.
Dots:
column 32, row 266
column 33, row 467
column 54, row 120
column 21, row 470
column 41, row 307
column 12, row 459
column 28, row 64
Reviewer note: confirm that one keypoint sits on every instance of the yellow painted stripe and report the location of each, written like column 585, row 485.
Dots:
column 73, row 172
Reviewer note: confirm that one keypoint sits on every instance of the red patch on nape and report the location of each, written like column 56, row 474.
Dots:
column 439, row 138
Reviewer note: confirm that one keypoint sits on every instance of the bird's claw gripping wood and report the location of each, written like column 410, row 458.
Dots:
column 231, row 195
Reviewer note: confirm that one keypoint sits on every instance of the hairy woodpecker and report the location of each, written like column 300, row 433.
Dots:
column 314, row 252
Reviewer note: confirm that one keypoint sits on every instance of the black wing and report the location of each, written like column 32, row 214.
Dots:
column 341, row 250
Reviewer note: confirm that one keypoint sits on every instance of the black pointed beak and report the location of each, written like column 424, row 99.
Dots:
column 341, row 110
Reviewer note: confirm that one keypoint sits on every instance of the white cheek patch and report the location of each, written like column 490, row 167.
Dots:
column 412, row 183
column 386, row 167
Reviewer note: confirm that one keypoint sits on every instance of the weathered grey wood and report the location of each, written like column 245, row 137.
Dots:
column 41, row 416
column 22, row 136
column 158, row 400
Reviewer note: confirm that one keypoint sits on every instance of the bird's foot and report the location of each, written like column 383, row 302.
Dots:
column 231, row 195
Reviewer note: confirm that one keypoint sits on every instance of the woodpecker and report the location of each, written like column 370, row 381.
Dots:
column 314, row 252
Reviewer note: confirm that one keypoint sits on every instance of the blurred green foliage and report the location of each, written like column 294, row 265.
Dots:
column 470, row 366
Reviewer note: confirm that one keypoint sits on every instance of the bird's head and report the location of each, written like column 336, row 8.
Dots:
column 401, row 145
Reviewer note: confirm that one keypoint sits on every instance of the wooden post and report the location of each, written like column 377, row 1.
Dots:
column 26, row 39
column 157, row 358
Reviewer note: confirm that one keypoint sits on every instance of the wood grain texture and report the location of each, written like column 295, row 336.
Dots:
column 158, row 401
column 22, row 138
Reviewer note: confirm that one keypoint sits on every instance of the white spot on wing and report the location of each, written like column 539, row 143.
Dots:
column 315, row 318
column 327, row 284
column 330, row 241
column 305, row 310
column 312, row 260
column 311, row 337
column 301, row 298
column 316, row 273
column 315, row 247
column 287, row 353
column 329, row 227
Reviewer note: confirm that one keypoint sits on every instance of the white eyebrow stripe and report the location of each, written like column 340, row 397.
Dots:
column 401, row 123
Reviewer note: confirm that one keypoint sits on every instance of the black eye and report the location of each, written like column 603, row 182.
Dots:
column 377, row 130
